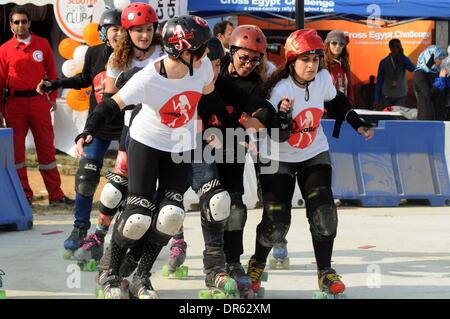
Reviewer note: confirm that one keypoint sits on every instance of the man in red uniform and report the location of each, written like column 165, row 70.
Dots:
column 24, row 61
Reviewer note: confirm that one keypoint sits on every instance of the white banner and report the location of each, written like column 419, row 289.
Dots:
column 73, row 15
column 168, row 9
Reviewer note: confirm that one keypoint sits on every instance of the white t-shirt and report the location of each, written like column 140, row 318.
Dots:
column 167, row 121
column 307, row 137
column 112, row 72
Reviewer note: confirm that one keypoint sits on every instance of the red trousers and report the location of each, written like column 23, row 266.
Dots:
column 33, row 113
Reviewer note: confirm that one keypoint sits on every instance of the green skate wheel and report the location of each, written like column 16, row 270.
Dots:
column 185, row 270
column 319, row 295
column 218, row 295
column 261, row 292
column 204, row 294
column 285, row 263
column 179, row 273
column 2, row 294
column 67, row 254
column 272, row 263
column 265, row 276
column 99, row 293
column 165, row 271
column 91, row 265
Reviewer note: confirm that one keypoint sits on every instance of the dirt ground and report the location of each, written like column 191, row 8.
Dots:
column 67, row 167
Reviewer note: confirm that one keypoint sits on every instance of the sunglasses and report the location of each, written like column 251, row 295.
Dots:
column 23, row 21
column 335, row 43
column 246, row 60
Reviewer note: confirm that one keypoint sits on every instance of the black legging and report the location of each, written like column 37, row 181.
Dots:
column 280, row 188
column 146, row 166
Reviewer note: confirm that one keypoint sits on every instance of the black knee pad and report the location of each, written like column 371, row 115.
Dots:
column 113, row 194
column 134, row 222
column 87, row 177
column 215, row 203
column 322, row 214
column 238, row 213
column 275, row 225
column 168, row 220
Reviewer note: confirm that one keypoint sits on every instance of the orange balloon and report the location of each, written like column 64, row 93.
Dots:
column 78, row 100
column 66, row 48
column 91, row 35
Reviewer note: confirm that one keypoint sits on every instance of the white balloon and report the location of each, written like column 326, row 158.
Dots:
column 64, row 93
column 70, row 68
column 79, row 54
column 121, row 4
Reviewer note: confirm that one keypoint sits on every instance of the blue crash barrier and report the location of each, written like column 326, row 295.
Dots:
column 15, row 212
column 405, row 160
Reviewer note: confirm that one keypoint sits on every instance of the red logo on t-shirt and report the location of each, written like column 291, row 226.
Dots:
column 99, row 80
column 304, row 128
column 180, row 109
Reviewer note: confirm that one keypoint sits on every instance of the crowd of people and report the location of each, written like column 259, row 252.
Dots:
column 174, row 92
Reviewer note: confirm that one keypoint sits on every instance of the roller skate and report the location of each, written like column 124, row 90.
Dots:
column 255, row 271
column 330, row 284
column 174, row 270
column 280, row 259
column 110, row 287
column 89, row 254
column 220, row 286
column 2, row 290
column 244, row 283
column 73, row 242
column 141, row 288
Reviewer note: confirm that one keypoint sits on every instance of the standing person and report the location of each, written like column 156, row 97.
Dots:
column 367, row 92
column 169, row 90
column 222, row 31
column 24, row 60
column 337, row 62
column 207, row 181
column 299, row 92
column 246, row 68
column 137, row 46
column 88, row 173
column 392, row 87
column 430, row 102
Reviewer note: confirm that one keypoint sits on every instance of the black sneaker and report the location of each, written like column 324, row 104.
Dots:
column 63, row 201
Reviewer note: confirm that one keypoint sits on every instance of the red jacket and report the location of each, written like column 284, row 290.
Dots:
column 341, row 81
column 23, row 66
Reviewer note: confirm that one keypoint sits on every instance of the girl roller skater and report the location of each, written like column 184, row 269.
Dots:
column 300, row 91
column 137, row 46
column 215, row 201
column 88, row 173
column 169, row 90
column 245, row 67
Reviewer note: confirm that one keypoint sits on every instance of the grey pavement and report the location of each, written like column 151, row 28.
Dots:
column 400, row 252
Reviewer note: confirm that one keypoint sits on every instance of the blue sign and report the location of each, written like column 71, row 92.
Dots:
column 387, row 8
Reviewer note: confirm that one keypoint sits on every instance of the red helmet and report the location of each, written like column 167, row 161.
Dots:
column 249, row 37
column 305, row 41
column 138, row 13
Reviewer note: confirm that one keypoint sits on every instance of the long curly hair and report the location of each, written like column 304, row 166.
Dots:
column 123, row 54
column 343, row 58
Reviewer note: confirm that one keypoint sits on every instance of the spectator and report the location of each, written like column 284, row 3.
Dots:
column 430, row 101
column 336, row 61
column 367, row 92
column 392, row 87
column 223, row 30
column 24, row 60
